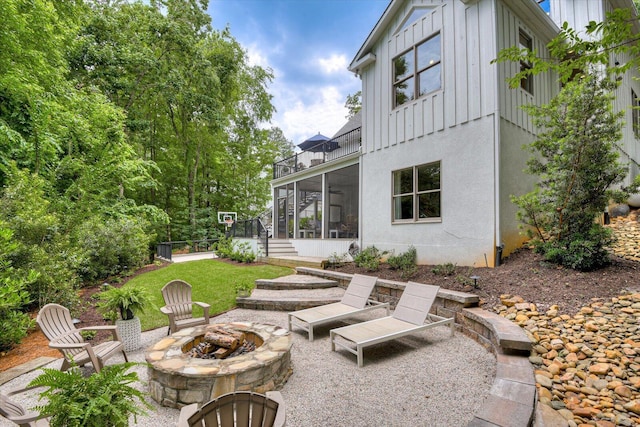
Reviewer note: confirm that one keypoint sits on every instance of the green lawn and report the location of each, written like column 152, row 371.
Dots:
column 213, row 282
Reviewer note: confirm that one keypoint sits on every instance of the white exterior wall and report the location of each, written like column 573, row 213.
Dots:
column 516, row 126
column 454, row 125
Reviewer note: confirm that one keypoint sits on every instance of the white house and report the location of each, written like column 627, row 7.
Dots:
column 439, row 150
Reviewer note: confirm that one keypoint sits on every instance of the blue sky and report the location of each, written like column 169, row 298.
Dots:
column 308, row 44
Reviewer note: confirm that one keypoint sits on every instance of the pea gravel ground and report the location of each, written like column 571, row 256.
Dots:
column 427, row 379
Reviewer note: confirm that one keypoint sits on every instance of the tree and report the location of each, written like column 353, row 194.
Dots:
column 354, row 104
column 576, row 158
column 578, row 167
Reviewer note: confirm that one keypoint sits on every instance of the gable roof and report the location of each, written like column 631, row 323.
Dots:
column 536, row 18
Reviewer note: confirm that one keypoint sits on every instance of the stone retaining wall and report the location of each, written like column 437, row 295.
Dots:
column 512, row 398
column 627, row 232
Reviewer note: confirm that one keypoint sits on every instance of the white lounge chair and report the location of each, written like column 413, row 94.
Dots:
column 409, row 317
column 354, row 301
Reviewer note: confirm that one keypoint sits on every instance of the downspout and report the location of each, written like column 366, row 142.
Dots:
column 496, row 146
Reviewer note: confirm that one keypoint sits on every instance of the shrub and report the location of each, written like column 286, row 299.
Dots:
column 405, row 262
column 447, row 269
column 14, row 323
column 583, row 252
column 336, row 260
column 124, row 302
column 113, row 246
column 224, row 247
column 369, row 258
column 104, row 399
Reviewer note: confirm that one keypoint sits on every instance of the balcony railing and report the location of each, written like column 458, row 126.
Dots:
column 340, row 146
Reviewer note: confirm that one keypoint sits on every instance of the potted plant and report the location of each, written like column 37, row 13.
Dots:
column 243, row 289
column 122, row 305
column 104, row 399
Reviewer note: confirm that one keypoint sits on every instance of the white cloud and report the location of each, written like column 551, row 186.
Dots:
column 332, row 64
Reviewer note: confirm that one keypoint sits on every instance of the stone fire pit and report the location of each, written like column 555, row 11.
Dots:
column 177, row 379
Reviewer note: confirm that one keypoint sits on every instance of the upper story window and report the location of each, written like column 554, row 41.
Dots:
column 417, row 71
column 416, row 193
column 635, row 114
column 526, row 43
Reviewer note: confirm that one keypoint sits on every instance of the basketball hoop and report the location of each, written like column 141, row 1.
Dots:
column 227, row 218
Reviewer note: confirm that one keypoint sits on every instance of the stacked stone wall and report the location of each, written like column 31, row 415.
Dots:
column 626, row 230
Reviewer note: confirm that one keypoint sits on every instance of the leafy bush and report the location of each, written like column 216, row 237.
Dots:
column 111, row 247
column 584, row 252
column 447, row 269
column 240, row 252
column 124, row 302
column 405, row 262
column 104, row 399
column 369, row 258
column 224, row 247
column 336, row 260
column 243, row 253
column 14, row 323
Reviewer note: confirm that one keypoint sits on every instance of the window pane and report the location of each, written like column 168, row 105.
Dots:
column 430, row 80
column 429, row 177
column 403, row 207
column 429, row 53
column 429, row 205
column 403, row 181
column 404, row 91
column 403, row 66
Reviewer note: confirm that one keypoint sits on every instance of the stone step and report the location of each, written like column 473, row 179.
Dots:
column 294, row 261
column 289, row 299
column 295, row 281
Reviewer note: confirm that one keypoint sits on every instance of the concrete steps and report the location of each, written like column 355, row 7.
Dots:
column 291, row 293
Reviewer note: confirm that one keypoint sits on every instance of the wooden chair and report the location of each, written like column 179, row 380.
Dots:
column 179, row 307
column 241, row 408
column 55, row 322
column 13, row 411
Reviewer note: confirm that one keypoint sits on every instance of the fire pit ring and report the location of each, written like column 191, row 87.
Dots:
column 176, row 379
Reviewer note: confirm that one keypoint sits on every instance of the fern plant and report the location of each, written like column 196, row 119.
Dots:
column 104, row 399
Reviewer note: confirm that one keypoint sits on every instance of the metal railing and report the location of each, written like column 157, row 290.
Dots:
column 340, row 146
column 166, row 249
column 254, row 229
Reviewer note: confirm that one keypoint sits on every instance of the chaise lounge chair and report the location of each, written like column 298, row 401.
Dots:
column 354, row 301
column 409, row 317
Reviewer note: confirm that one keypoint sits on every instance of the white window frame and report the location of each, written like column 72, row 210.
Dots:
column 415, row 75
column 415, row 194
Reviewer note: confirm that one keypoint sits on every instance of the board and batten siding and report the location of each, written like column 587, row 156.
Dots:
column 468, row 79
column 544, row 85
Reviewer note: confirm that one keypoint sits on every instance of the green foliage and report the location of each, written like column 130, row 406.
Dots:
column 225, row 247
column 405, row 262
column 104, row 399
column 583, row 252
column 578, row 166
column 14, row 323
column 576, row 150
column 112, row 246
column 40, row 244
column 337, row 260
column 369, row 258
column 447, row 269
column 124, row 302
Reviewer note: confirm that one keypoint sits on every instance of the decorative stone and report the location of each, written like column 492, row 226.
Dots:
column 178, row 379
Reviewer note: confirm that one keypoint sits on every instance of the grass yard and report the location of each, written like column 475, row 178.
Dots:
column 212, row 281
